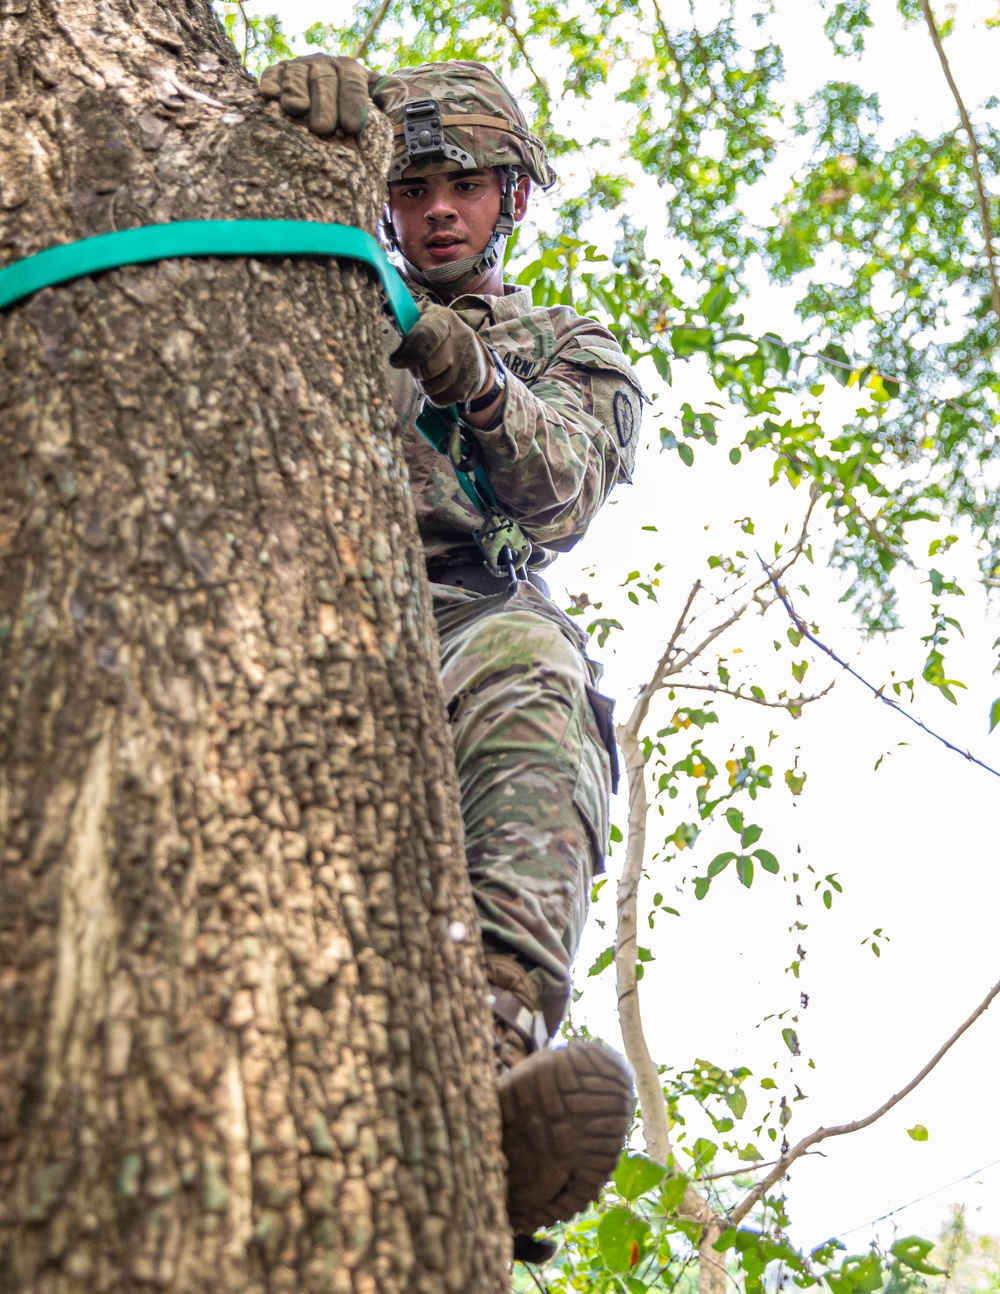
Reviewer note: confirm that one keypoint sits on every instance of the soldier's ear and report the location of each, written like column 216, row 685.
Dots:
column 522, row 193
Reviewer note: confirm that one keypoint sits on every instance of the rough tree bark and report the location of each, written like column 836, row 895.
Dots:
column 241, row 1042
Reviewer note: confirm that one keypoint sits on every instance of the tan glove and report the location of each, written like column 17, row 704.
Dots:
column 332, row 92
column 447, row 358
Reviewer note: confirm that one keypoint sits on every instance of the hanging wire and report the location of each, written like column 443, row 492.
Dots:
column 919, row 1200
column 876, row 691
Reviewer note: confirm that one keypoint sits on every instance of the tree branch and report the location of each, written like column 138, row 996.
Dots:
column 794, row 703
column 984, row 210
column 685, row 89
column 656, row 1127
column 800, row 1148
column 751, row 1168
column 704, row 60
column 511, row 24
column 669, row 46
column 378, row 17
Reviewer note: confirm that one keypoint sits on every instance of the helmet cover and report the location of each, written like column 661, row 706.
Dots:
column 494, row 132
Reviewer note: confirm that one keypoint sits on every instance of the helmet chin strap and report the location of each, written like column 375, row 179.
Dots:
column 460, row 273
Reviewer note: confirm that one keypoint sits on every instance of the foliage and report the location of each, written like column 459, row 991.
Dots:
column 259, row 40
column 638, row 1240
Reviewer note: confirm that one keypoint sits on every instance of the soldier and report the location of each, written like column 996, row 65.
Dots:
column 551, row 410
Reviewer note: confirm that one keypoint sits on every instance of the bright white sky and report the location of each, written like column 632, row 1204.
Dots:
column 913, row 844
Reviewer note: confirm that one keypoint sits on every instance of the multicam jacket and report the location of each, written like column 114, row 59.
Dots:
column 569, row 431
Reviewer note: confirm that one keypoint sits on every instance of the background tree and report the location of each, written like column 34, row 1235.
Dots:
column 241, row 1034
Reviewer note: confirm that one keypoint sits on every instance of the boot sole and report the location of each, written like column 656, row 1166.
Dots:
column 566, row 1114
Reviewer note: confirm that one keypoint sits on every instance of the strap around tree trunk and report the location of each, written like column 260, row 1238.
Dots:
column 70, row 261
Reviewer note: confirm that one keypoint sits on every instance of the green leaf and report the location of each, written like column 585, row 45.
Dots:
column 857, row 1275
column 701, row 886
column 752, row 834
column 603, row 961
column 617, row 1232
column 715, row 302
column 995, row 714
column 672, row 1193
column 635, row 1175
column 661, row 362
column 735, row 455
column 918, row 1132
column 744, row 870
column 703, row 1152
column 719, row 863
column 737, row 1102
column 616, row 834
column 839, row 362
column 767, row 860
column 735, row 819
column 791, row 1040
column 912, row 1252
column 686, row 341
column 686, row 455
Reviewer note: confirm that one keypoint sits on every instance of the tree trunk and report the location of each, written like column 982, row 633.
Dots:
column 242, row 1044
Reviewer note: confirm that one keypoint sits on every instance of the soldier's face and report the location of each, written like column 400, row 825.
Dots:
column 441, row 218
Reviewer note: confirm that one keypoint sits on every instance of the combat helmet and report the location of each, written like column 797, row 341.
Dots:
column 460, row 116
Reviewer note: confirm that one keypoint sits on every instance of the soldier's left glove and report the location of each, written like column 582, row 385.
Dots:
column 449, row 360
column 333, row 93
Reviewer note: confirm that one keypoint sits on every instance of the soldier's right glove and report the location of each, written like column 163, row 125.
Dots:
column 333, row 93
column 447, row 357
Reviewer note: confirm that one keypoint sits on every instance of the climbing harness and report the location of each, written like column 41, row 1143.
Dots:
column 504, row 546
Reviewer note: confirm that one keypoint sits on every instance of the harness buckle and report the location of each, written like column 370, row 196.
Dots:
column 501, row 540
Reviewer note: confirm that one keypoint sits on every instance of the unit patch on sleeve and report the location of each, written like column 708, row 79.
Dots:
column 625, row 419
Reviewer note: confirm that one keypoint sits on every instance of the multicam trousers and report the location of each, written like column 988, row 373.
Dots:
column 534, row 754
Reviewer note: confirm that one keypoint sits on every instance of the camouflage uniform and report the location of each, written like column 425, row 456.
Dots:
column 532, row 735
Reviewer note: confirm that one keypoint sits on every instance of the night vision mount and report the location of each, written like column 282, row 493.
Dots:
column 424, row 141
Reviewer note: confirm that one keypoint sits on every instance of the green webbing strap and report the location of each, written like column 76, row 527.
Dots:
column 240, row 238
column 206, row 238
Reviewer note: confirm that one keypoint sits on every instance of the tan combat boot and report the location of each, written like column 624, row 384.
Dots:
column 566, row 1112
